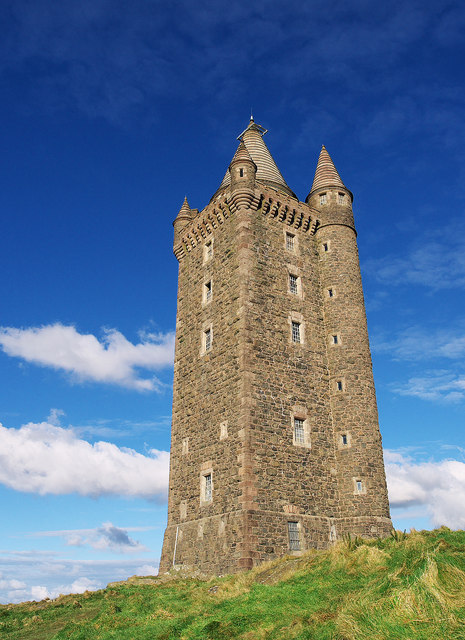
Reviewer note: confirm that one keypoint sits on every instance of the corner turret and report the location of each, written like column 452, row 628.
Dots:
column 182, row 219
column 329, row 194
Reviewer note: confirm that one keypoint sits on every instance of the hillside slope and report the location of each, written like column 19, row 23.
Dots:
column 405, row 587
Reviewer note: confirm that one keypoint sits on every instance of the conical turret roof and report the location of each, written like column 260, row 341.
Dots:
column 326, row 174
column 267, row 170
column 241, row 155
column 185, row 212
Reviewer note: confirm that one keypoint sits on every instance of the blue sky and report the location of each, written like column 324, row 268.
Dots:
column 113, row 112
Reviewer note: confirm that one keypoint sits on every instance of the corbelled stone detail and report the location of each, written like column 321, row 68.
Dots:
column 271, row 434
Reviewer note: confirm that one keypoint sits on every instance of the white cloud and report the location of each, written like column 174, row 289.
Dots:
column 112, row 360
column 437, row 486
column 418, row 343
column 442, row 386
column 47, row 459
column 146, row 570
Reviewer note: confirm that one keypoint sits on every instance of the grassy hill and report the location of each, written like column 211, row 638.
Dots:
column 405, row 587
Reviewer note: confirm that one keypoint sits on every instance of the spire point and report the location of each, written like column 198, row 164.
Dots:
column 326, row 174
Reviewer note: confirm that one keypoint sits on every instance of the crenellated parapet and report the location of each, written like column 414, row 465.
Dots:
column 267, row 202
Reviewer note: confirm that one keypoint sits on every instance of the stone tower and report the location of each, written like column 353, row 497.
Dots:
column 275, row 440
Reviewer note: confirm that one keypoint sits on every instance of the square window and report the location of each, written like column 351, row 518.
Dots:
column 208, row 339
column 295, row 332
column 294, row 536
column 299, row 431
column 293, row 284
column 207, row 487
column 323, row 198
column 290, row 241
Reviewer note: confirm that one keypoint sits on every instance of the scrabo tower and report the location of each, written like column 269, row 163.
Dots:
column 275, row 439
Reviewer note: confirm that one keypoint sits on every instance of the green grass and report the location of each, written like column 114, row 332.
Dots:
column 405, row 587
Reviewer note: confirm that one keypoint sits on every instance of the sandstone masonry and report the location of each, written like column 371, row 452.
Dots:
column 275, row 439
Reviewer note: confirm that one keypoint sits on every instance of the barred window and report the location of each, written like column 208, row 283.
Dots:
column 341, row 197
column 290, row 244
column 323, row 198
column 293, row 284
column 208, row 487
column 299, row 431
column 295, row 331
column 208, row 339
column 294, row 536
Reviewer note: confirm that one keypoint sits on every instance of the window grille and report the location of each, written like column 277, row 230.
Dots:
column 294, row 537
column 208, row 339
column 299, row 432
column 208, row 488
column 295, row 331
column 341, row 198
column 323, row 198
column 290, row 242
column 208, row 291
column 293, row 286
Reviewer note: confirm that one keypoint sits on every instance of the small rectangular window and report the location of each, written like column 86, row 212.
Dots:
column 293, row 284
column 290, row 241
column 241, row 173
column 325, row 247
column 341, row 197
column 335, row 339
column 299, row 431
column 207, row 487
column 208, row 339
column 295, row 331
column 339, row 385
column 207, row 291
column 330, row 293
column 359, row 486
column 208, row 250
column 323, row 198
column 344, row 439
column 294, row 536
column 185, row 446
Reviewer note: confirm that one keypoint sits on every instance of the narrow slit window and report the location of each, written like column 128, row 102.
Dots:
column 295, row 332
column 241, row 173
column 359, row 486
column 299, row 431
column 208, row 487
column 344, row 439
column 325, row 247
column 290, row 241
column 330, row 293
column 339, row 385
column 208, row 291
column 208, row 339
column 208, row 250
column 323, row 198
column 294, row 536
column 335, row 339
column 293, row 284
